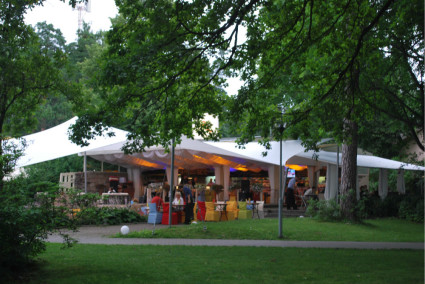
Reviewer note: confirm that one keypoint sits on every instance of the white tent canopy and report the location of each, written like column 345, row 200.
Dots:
column 190, row 154
column 53, row 143
column 196, row 154
column 311, row 158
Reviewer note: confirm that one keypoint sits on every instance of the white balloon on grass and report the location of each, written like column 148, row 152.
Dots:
column 125, row 230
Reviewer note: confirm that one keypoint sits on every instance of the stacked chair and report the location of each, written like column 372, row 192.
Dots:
column 154, row 217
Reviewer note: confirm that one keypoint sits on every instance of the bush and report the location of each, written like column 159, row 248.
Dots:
column 79, row 199
column 412, row 210
column 409, row 207
column 108, row 216
column 324, row 210
column 25, row 224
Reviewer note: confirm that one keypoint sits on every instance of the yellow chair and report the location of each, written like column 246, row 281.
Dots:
column 211, row 214
column 243, row 212
column 232, row 210
column 194, row 212
column 208, row 195
column 233, row 198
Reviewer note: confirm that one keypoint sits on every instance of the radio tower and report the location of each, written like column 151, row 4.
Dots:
column 83, row 7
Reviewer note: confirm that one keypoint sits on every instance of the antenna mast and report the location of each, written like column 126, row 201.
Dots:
column 83, row 7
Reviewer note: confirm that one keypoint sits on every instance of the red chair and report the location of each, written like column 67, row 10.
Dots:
column 165, row 215
column 201, row 211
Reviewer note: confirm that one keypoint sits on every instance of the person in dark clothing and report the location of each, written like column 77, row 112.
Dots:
column 290, row 199
column 188, row 199
column 290, row 196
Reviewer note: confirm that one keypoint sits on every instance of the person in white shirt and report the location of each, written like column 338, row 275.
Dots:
column 178, row 200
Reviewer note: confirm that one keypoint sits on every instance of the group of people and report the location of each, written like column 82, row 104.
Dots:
column 290, row 194
column 180, row 198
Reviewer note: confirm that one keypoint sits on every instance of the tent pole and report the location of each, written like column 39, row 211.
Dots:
column 85, row 172
column 337, row 173
column 170, row 200
column 280, row 191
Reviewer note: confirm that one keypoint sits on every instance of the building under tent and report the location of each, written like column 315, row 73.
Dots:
column 222, row 160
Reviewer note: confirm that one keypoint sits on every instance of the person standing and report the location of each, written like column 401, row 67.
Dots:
column 290, row 195
column 188, row 209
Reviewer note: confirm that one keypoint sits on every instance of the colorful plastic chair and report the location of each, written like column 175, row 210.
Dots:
column 243, row 212
column 232, row 210
column 211, row 214
column 201, row 211
column 260, row 208
column 154, row 217
column 166, row 215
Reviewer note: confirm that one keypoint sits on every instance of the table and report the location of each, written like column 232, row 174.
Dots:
column 116, row 198
column 255, row 208
column 178, row 207
column 221, row 207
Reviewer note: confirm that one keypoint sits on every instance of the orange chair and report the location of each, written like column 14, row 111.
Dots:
column 211, row 214
column 232, row 210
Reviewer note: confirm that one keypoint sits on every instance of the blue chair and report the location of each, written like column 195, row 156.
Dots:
column 154, row 217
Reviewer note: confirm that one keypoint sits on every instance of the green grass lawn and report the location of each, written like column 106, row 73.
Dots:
column 179, row 264
column 200, row 264
column 306, row 229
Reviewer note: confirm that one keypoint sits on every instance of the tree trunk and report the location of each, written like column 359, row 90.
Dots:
column 349, row 171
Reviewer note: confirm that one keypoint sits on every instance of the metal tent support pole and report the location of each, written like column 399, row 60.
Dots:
column 170, row 200
column 280, row 191
column 337, row 173
column 85, row 172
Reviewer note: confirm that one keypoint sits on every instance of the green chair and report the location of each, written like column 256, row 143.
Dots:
column 243, row 212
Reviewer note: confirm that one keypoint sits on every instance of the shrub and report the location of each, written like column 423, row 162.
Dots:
column 324, row 210
column 409, row 206
column 108, row 216
column 412, row 210
column 77, row 199
column 25, row 224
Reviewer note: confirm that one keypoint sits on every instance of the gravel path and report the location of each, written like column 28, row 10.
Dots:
column 101, row 235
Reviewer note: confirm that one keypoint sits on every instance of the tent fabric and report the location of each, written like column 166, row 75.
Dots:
column 312, row 158
column 190, row 154
column 53, row 143
column 331, row 182
column 401, row 186
column 383, row 183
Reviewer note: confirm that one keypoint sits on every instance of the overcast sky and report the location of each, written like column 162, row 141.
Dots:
column 63, row 17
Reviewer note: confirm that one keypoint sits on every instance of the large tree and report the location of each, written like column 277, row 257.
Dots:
column 150, row 82
column 29, row 72
column 334, row 65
